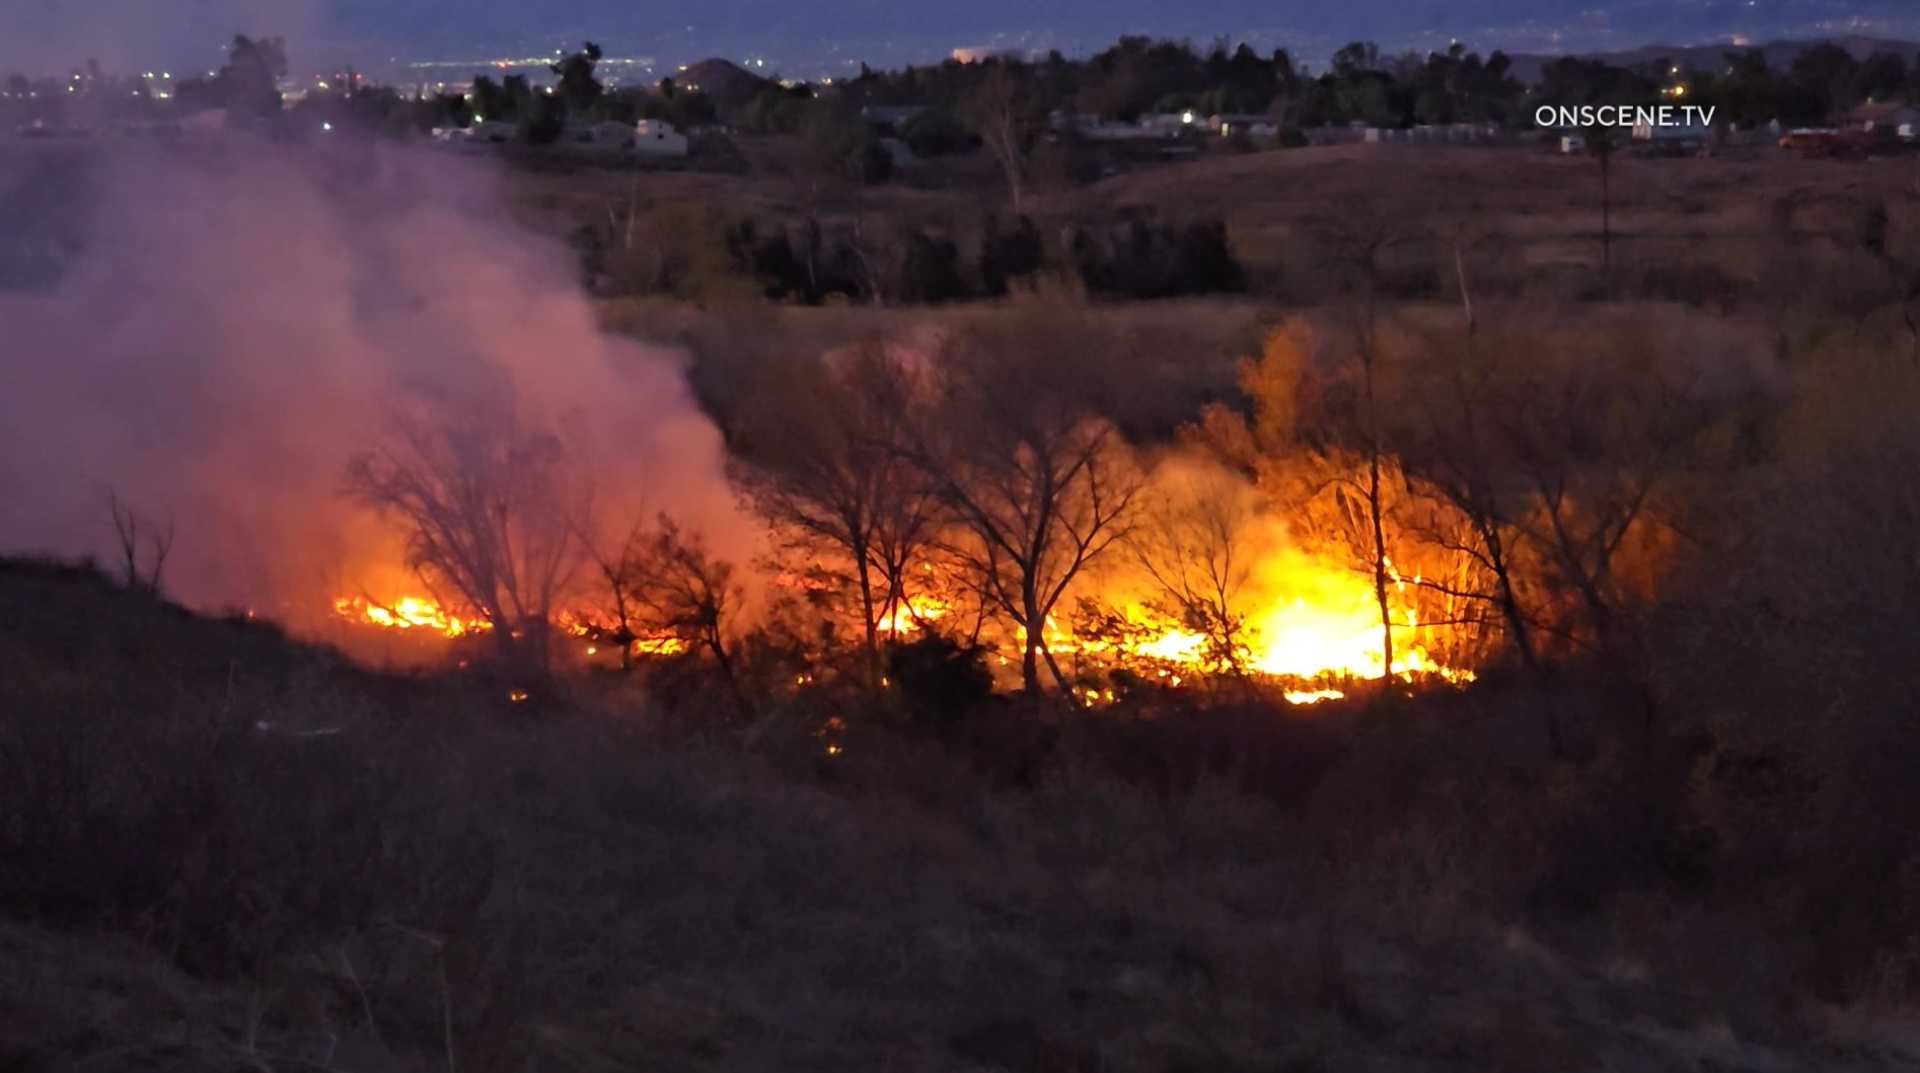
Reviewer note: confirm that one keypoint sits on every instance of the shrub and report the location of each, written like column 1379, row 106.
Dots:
column 939, row 681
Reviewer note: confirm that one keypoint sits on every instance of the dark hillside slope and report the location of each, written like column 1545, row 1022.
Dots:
column 408, row 874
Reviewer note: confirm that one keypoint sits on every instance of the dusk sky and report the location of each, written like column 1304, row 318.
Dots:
column 810, row 37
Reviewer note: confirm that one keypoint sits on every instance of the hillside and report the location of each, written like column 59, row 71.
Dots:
column 230, row 851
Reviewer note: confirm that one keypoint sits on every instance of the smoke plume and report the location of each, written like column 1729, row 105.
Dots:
column 209, row 334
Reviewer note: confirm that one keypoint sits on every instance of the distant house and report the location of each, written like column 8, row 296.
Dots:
column 498, row 131
column 1095, row 128
column 1227, row 124
column 1886, row 119
column 1260, row 130
column 1573, row 143
column 605, row 135
column 1167, row 124
column 1688, row 137
column 655, row 137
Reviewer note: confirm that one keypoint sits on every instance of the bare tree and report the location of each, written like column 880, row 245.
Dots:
column 1447, row 432
column 138, row 540
column 1039, row 487
column 998, row 111
column 1604, row 436
column 820, row 458
column 1359, row 240
column 676, row 589
column 614, row 566
column 1194, row 542
column 491, row 512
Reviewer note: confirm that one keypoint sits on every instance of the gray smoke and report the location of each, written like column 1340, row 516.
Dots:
column 211, row 332
column 45, row 37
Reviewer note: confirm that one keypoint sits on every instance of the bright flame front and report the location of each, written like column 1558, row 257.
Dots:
column 408, row 613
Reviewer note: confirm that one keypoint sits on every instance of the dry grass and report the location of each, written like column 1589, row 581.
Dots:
column 1702, row 229
column 566, row 891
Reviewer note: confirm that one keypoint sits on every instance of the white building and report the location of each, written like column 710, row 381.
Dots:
column 1168, row 124
column 1691, row 134
column 608, row 135
column 494, row 130
column 655, row 137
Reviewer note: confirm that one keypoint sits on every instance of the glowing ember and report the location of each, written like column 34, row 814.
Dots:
column 408, row 613
column 911, row 612
column 599, row 636
column 659, row 646
column 1311, row 696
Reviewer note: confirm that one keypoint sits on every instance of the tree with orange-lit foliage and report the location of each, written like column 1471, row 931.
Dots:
column 819, row 456
column 489, row 507
column 1039, row 486
column 672, row 587
column 1193, row 541
column 1318, row 450
column 1566, row 462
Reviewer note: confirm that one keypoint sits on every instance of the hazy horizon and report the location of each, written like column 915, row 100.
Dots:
column 808, row 38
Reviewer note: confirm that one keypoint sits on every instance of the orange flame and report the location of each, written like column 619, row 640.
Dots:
column 408, row 613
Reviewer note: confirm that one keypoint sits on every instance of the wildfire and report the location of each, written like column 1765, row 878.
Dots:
column 911, row 611
column 599, row 636
column 1327, row 630
column 1308, row 623
column 1299, row 639
column 408, row 613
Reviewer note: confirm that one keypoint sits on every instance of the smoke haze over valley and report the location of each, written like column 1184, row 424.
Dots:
column 210, row 337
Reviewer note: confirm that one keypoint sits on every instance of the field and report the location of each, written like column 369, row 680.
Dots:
column 369, row 873
column 869, row 678
column 1697, row 230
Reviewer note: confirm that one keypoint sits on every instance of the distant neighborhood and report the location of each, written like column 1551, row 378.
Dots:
column 1140, row 100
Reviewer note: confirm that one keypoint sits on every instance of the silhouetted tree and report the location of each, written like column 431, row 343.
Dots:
column 249, row 82
column 1039, row 485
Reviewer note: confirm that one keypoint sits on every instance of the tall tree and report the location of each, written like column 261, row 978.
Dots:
column 1039, row 485
column 249, row 82
column 1002, row 114
column 491, row 514
column 577, row 86
column 820, row 456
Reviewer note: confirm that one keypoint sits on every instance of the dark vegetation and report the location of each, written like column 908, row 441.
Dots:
column 277, row 859
column 954, row 107
column 269, row 859
column 1669, row 827
column 1010, row 124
